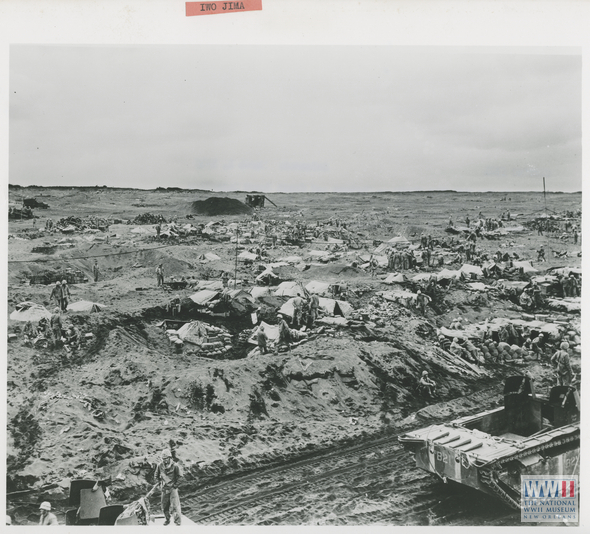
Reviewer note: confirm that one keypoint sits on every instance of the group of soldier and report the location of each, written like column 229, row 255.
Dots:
column 305, row 314
column 52, row 333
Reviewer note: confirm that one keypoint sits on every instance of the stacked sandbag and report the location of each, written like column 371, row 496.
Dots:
column 218, row 343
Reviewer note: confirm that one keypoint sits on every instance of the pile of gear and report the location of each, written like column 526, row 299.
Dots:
column 149, row 218
column 50, row 277
column 79, row 223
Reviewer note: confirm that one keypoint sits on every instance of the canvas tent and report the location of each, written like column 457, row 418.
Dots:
column 258, row 291
column 194, row 332
column 395, row 278
column 85, row 306
column 318, row 288
column 247, row 256
column 204, row 296
column 213, row 285
column 328, row 306
column 290, row 289
column 470, row 270
column 272, row 332
column 29, row 311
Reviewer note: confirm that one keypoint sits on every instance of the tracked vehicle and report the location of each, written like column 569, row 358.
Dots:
column 489, row 451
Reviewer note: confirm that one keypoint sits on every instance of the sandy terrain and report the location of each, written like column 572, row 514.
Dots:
column 108, row 409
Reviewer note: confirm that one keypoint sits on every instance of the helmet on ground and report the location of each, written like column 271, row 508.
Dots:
column 55, row 310
column 45, row 506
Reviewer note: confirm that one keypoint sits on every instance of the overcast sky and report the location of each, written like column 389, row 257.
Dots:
column 304, row 118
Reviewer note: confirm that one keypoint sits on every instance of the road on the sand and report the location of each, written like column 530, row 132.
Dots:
column 373, row 483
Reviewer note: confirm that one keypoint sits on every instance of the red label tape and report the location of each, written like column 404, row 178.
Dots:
column 194, row 9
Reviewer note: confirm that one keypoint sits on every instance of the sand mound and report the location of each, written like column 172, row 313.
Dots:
column 219, row 206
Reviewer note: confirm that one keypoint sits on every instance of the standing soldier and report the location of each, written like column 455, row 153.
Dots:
column 297, row 310
column 313, row 309
column 225, row 278
column 563, row 368
column 56, row 325
column 65, row 295
column 426, row 258
column 158, row 230
column 95, row 270
column 168, row 475
column 160, row 275
column 574, row 285
column 284, row 334
column 57, row 294
column 262, row 340
column 422, row 301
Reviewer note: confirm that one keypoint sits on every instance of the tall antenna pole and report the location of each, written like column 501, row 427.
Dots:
column 236, row 270
column 544, row 195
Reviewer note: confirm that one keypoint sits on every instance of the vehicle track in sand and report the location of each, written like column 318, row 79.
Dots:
column 374, row 483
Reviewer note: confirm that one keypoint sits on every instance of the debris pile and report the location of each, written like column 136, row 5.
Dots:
column 71, row 223
column 149, row 218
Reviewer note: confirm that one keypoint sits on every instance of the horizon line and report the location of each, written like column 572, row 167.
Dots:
column 242, row 191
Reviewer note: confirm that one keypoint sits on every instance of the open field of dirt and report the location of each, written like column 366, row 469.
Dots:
column 105, row 407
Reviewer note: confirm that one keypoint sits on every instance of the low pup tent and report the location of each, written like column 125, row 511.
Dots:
column 29, row 311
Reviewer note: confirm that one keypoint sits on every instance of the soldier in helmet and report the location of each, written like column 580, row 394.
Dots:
column 65, row 295
column 57, row 294
column 427, row 385
column 563, row 368
column 47, row 518
column 167, row 475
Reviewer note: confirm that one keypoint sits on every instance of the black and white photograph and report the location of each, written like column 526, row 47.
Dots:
column 293, row 285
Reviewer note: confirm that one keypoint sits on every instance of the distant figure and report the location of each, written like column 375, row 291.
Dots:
column 95, row 270
column 47, row 518
column 225, row 278
column 158, row 230
column 467, row 221
column 262, row 340
column 160, row 275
